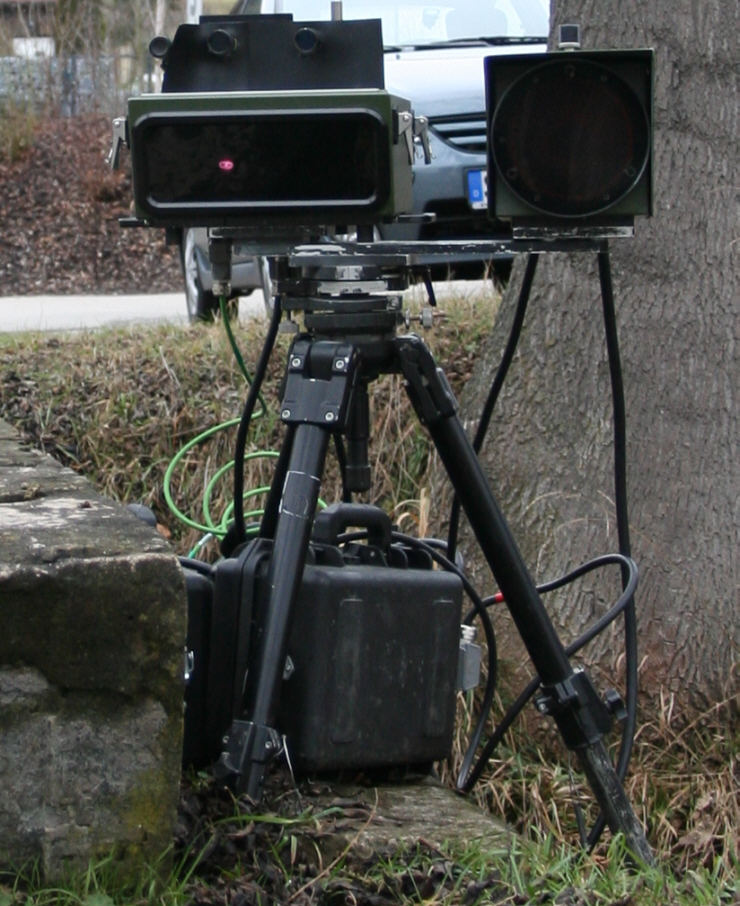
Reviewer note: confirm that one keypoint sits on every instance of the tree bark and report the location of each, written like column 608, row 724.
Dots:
column 549, row 450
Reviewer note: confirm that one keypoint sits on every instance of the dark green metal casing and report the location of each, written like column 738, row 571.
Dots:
column 243, row 158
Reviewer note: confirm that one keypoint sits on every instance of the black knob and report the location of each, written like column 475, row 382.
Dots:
column 159, row 46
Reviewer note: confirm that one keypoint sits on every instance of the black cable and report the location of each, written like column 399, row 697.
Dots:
column 432, row 296
column 626, row 601
column 627, row 564
column 622, row 516
column 197, row 566
column 340, row 452
column 239, row 528
column 493, row 394
column 465, row 780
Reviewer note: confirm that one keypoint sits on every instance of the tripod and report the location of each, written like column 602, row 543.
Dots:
column 351, row 321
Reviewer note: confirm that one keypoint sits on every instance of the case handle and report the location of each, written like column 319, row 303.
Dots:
column 338, row 517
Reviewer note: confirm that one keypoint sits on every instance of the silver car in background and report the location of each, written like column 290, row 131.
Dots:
column 433, row 55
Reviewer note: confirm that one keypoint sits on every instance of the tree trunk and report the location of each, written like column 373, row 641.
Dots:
column 549, row 450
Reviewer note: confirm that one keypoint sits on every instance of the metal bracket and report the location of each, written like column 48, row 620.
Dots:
column 411, row 129
column 582, row 717
column 120, row 138
column 219, row 253
column 318, row 383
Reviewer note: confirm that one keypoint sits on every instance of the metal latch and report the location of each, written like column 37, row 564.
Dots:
column 406, row 131
column 411, row 129
column 421, row 133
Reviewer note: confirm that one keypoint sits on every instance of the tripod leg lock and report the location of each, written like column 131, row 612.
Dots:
column 248, row 746
column 426, row 383
column 582, row 717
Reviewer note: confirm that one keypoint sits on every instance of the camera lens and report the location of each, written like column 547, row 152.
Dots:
column 306, row 40
column 221, row 44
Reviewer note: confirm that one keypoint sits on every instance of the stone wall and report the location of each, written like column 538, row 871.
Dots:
column 92, row 634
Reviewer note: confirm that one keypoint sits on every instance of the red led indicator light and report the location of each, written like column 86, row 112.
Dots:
column 226, row 164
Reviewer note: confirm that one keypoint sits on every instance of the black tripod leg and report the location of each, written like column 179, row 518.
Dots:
column 613, row 801
column 568, row 695
column 253, row 741
column 272, row 504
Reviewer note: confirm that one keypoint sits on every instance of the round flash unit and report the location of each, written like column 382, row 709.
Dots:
column 570, row 138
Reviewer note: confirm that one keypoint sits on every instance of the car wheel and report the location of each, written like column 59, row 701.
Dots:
column 202, row 305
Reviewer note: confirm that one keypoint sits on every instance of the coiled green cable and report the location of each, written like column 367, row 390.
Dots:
column 209, row 526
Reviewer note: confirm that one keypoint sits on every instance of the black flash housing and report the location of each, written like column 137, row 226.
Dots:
column 570, row 138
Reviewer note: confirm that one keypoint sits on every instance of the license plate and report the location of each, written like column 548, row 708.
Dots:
column 478, row 189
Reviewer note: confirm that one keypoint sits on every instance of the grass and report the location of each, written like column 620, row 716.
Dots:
column 139, row 396
column 117, row 406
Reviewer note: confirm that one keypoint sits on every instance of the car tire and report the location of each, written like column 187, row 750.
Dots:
column 201, row 304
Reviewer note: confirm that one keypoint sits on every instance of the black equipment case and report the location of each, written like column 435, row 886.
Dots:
column 372, row 665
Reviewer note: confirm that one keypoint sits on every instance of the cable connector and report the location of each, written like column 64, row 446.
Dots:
column 219, row 254
column 468, row 665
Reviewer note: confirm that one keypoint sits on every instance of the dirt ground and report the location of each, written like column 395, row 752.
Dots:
column 59, row 210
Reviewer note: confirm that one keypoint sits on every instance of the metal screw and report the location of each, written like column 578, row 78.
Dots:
column 329, row 417
column 285, row 413
column 340, row 364
column 296, row 361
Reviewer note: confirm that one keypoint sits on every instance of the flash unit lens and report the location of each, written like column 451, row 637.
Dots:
column 570, row 138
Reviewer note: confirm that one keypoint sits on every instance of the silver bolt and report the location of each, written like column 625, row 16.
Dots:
column 296, row 361
column 329, row 417
column 285, row 413
column 340, row 364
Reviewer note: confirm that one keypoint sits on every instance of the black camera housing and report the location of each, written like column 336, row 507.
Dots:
column 570, row 138
column 265, row 122
column 273, row 53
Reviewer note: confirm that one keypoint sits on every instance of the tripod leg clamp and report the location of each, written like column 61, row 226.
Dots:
column 242, row 763
column 582, row 717
column 427, row 385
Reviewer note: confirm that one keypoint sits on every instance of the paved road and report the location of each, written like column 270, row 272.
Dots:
column 49, row 313
column 85, row 312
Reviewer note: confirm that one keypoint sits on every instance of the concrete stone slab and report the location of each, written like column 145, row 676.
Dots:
column 402, row 814
column 93, row 617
